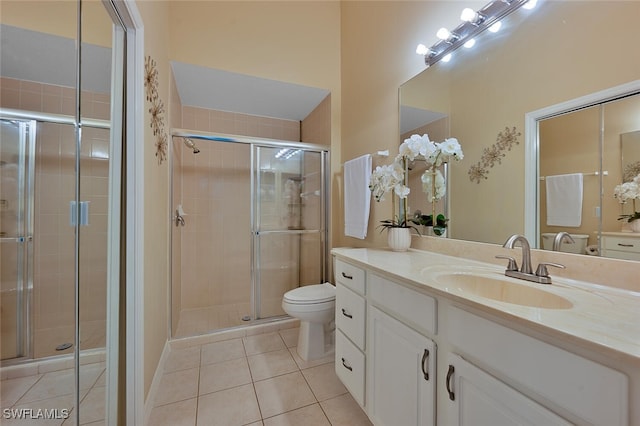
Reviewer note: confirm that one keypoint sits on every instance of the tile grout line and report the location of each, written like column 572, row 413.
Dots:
column 195, row 417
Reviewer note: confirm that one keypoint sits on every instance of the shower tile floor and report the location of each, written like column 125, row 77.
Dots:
column 55, row 390
column 252, row 380
column 198, row 321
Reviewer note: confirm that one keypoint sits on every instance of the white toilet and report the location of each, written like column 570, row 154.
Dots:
column 314, row 305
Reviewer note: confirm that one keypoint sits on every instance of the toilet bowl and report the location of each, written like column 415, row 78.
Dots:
column 314, row 305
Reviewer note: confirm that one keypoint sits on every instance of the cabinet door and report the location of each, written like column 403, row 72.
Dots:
column 478, row 399
column 400, row 373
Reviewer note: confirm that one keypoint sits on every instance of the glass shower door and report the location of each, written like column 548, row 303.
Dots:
column 289, row 224
column 16, row 233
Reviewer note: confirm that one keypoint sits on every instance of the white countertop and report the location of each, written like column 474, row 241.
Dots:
column 602, row 318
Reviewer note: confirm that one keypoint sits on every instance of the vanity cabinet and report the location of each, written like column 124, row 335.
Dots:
column 477, row 398
column 621, row 245
column 572, row 386
column 400, row 373
column 350, row 328
column 413, row 357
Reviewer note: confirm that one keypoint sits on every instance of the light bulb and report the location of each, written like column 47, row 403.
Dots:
column 446, row 58
column 495, row 27
column 470, row 43
column 530, row 4
column 468, row 15
column 422, row 49
column 443, row 34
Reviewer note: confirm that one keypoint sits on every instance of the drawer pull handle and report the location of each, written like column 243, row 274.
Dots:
column 345, row 365
column 625, row 245
column 349, row 277
column 452, row 396
column 425, row 361
column 346, row 314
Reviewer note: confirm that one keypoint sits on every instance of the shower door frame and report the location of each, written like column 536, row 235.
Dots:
column 24, row 237
column 255, row 142
column 256, row 285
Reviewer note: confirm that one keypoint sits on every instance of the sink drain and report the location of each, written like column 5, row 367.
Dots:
column 63, row 346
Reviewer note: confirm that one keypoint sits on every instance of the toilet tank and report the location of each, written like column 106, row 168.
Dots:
column 579, row 247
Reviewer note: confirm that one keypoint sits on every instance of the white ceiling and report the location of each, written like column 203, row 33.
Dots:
column 411, row 118
column 222, row 90
column 46, row 58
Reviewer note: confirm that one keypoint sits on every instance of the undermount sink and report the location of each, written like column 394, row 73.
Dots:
column 501, row 289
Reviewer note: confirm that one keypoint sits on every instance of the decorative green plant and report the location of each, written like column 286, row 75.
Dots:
column 427, row 220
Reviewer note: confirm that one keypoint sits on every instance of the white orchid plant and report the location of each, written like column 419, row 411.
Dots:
column 628, row 191
column 393, row 177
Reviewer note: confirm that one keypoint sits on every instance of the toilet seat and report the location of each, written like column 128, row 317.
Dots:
column 311, row 294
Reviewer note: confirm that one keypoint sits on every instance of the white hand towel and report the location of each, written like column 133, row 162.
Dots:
column 357, row 196
column 564, row 200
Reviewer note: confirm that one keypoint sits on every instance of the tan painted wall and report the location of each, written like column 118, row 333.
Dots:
column 59, row 17
column 378, row 55
column 155, row 16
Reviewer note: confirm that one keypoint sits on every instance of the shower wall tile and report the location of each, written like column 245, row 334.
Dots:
column 316, row 127
column 216, row 121
column 40, row 97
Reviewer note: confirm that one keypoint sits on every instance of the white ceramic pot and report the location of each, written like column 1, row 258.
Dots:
column 399, row 239
column 635, row 225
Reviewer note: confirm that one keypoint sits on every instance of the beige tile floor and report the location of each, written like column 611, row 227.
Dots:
column 253, row 380
column 55, row 390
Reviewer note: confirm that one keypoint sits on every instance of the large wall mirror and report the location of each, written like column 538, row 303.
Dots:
column 540, row 58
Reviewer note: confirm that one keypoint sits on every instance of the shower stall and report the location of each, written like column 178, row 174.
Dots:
column 249, row 223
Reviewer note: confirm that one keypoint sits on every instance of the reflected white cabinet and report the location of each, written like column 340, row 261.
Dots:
column 476, row 399
column 621, row 245
column 400, row 373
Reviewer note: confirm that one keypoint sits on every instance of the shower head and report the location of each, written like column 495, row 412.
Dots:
column 191, row 144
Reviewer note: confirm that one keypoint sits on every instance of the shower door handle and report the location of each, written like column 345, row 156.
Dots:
column 16, row 239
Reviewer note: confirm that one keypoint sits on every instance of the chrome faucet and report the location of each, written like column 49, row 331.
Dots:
column 526, row 251
column 526, row 271
column 559, row 238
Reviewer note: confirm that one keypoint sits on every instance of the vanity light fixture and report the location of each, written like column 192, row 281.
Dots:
column 422, row 49
column 470, row 43
column 474, row 23
column 496, row 27
column 530, row 4
column 470, row 15
column 446, row 58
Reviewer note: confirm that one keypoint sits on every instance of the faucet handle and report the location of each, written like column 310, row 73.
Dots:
column 541, row 271
column 512, row 266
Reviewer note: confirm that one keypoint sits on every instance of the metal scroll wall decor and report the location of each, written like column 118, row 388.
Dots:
column 494, row 154
column 156, row 108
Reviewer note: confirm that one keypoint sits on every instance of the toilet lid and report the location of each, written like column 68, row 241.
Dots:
column 316, row 293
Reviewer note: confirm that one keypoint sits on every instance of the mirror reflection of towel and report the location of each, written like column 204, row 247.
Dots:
column 564, row 200
column 357, row 196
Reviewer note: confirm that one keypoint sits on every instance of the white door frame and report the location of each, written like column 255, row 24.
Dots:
column 531, row 155
column 134, row 215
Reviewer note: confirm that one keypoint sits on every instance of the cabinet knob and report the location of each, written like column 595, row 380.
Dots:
column 425, row 363
column 349, row 277
column 345, row 365
column 452, row 396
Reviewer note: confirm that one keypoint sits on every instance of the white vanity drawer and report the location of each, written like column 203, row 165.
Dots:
column 629, row 244
column 350, row 276
column 416, row 309
column 350, row 314
column 350, row 367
